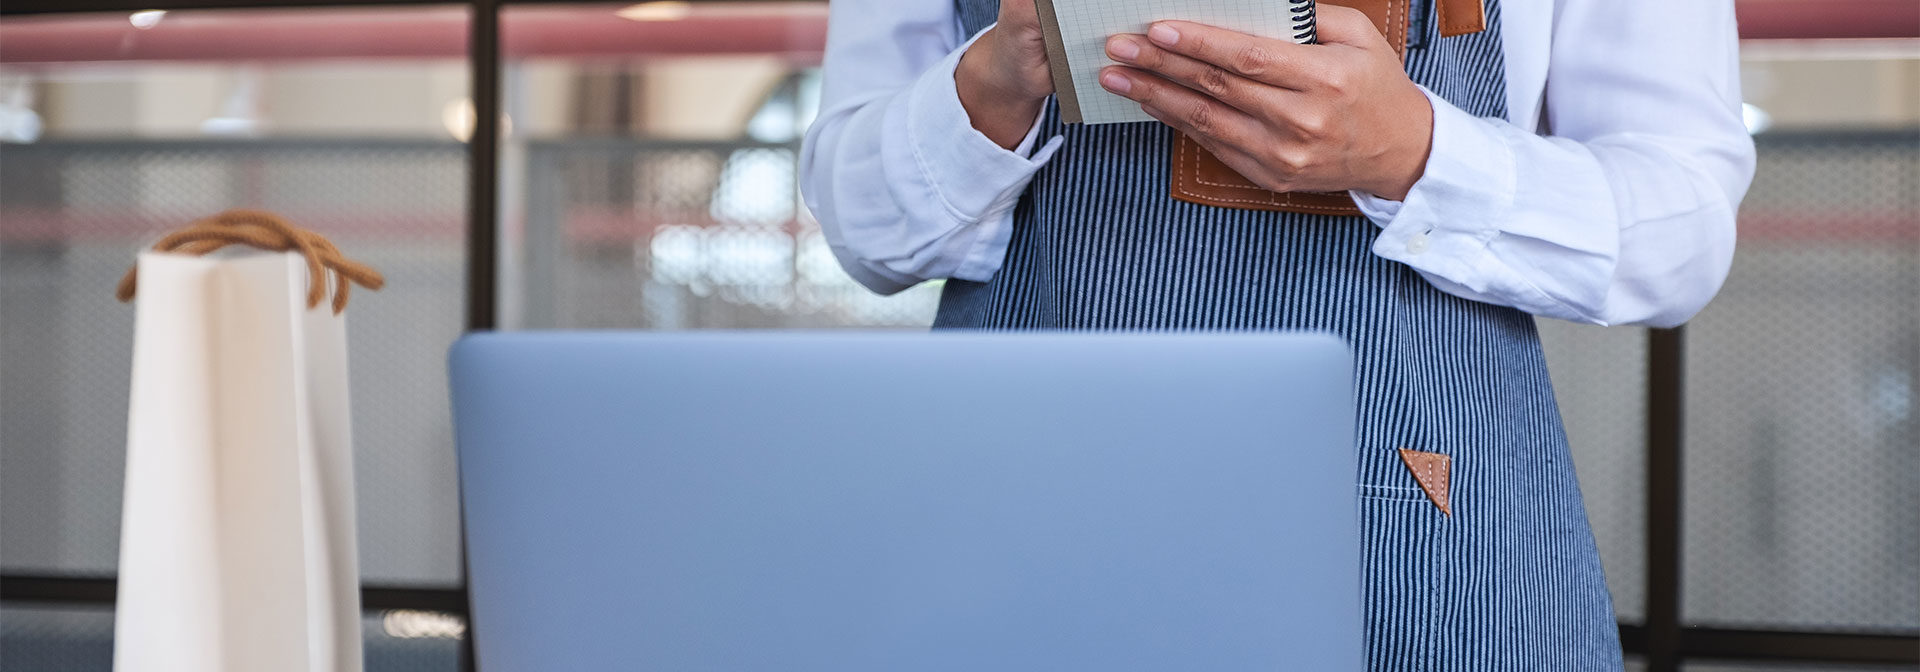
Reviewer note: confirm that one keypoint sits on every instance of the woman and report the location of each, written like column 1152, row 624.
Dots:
column 1576, row 159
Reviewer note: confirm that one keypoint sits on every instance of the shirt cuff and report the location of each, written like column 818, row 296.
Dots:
column 977, row 181
column 1457, row 207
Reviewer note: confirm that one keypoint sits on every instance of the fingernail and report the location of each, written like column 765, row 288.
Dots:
column 1163, row 34
column 1123, row 48
column 1115, row 82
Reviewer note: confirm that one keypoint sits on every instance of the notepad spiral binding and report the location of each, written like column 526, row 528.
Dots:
column 1304, row 26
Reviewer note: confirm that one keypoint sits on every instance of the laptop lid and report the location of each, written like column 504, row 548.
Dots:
column 854, row 502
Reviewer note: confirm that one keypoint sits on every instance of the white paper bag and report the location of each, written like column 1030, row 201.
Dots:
column 237, row 537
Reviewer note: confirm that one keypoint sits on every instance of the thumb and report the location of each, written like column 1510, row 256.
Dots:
column 1346, row 25
column 1020, row 13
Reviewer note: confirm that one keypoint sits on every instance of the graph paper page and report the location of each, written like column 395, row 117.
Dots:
column 1085, row 26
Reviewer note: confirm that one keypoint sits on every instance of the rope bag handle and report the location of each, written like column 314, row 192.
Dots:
column 268, row 231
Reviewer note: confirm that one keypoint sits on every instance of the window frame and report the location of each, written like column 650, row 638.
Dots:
column 1663, row 639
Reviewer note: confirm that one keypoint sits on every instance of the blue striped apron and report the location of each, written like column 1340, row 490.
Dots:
column 1511, row 580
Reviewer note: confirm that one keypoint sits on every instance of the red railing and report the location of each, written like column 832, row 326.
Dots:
column 796, row 31
column 1827, row 19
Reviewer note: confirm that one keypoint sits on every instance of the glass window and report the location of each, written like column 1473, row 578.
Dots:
column 1794, row 517
column 52, row 638
column 47, row 638
column 1789, row 667
column 1600, row 382
column 412, row 641
column 1801, row 427
column 650, row 179
column 119, row 127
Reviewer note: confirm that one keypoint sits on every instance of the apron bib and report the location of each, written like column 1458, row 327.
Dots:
column 1510, row 579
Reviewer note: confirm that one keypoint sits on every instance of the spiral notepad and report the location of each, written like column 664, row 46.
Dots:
column 1077, row 32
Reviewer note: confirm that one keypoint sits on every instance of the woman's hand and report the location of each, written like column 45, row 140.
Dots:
column 1003, row 78
column 1335, row 116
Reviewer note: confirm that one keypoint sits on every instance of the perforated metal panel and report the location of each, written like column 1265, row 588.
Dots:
column 412, row 641
column 1600, row 381
column 1790, row 667
column 39, row 638
column 657, row 234
column 72, row 216
column 1802, row 440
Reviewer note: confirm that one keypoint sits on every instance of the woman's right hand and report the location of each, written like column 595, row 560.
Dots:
column 1003, row 79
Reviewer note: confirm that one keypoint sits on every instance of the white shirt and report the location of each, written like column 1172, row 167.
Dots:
column 1606, row 196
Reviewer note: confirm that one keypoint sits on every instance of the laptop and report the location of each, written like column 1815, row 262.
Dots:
column 909, row 501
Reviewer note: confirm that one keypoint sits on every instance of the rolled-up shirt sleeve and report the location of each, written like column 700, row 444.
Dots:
column 903, row 186
column 1625, row 212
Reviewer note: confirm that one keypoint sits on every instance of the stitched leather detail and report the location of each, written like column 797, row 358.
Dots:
column 1396, row 31
column 1200, row 177
column 1190, row 147
column 1434, row 473
column 1190, row 186
column 1461, row 17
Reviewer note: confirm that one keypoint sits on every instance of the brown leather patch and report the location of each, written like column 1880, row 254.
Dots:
column 1461, row 17
column 1200, row 177
column 1390, row 16
column 1434, row 473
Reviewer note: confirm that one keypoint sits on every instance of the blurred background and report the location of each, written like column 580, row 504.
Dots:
column 643, row 177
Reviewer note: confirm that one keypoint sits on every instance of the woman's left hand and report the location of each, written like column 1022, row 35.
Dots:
column 1332, row 116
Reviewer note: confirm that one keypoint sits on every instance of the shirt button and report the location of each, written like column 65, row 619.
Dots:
column 1417, row 245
